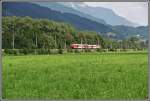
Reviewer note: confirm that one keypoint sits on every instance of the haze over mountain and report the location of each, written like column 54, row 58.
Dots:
column 60, row 7
column 78, row 21
column 35, row 11
column 108, row 15
column 127, row 32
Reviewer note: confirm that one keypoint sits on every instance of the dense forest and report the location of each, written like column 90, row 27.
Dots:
column 29, row 33
column 42, row 33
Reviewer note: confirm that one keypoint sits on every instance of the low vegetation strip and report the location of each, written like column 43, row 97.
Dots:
column 76, row 76
column 63, row 51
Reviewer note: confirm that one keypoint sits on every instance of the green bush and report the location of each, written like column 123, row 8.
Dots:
column 124, row 50
column 16, row 52
column 112, row 50
column 11, row 51
column 77, row 51
column 100, row 50
column 7, row 51
column 69, row 50
column 42, row 51
column 87, row 50
column 21, row 51
column 53, row 51
column 65, row 51
column 60, row 51
column 25, row 51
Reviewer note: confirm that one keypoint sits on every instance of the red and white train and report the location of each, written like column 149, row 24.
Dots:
column 84, row 46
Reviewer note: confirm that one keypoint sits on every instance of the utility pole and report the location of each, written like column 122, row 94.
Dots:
column 86, row 43
column 121, row 45
column 98, row 41
column 65, row 44
column 55, row 41
column 36, row 40
column 13, row 44
column 81, row 44
column 36, row 43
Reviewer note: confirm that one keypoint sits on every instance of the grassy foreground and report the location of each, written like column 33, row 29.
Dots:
column 76, row 76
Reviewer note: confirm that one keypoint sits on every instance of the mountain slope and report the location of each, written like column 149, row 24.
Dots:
column 102, row 13
column 36, row 11
column 126, row 31
column 81, row 23
column 59, row 7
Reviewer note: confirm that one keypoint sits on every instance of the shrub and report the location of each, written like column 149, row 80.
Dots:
column 88, row 50
column 105, row 50
column 25, row 51
column 77, row 51
column 53, row 51
column 99, row 50
column 21, row 51
column 8, row 51
column 31, row 51
column 16, row 52
column 112, row 50
column 124, row 50
column 42, row 51
column 12, row 51
column 65, row 51
column 60, row 51
column 70, row 50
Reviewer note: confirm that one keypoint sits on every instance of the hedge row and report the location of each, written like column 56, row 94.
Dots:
column 43, row 51
column 31, row 51
column 58, row 51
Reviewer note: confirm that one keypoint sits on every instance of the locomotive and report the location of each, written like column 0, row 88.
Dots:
column 84, row 46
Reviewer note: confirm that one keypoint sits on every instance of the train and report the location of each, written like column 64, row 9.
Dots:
column 84, row 46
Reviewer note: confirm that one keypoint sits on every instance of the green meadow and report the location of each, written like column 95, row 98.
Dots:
column 76, row 76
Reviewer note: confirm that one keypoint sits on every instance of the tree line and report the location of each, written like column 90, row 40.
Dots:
column 29, row 33
column 42, row 33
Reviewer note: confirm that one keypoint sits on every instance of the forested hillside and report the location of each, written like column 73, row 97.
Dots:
column 26, row 32
column 22, row 9
column 42, row 33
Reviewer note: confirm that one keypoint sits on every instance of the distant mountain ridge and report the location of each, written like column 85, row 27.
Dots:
column 36, row 11
column 126, row 31
column 59, row 7
column 108, row 15
column 81, row 23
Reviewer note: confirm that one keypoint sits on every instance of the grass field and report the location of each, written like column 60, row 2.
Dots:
column 76, row 76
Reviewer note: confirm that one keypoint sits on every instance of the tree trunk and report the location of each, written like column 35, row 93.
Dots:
column 13, row 44
column 65, row 43
column 81, row 44
column 55, row 42
column 36, row 41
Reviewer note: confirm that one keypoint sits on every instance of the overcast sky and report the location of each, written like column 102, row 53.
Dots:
column 133, row 11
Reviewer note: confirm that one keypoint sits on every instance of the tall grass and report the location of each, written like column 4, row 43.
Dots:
column 76, row 76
